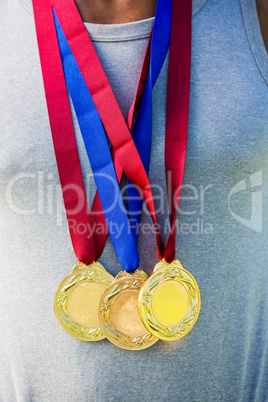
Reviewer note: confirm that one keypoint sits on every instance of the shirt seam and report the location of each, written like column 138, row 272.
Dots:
column 198, row 6
column 26, row 7
column 118, row 39
column 251, row 39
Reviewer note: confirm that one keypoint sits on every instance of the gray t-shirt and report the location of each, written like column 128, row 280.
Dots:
column 222, row 230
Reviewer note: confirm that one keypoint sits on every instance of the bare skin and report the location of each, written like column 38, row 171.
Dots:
column 115, row 11
column 262, row 7
column 121, row 11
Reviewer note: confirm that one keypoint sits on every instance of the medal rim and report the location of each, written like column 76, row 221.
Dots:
column 115, row 336
column 162, row 267
column 97, row 334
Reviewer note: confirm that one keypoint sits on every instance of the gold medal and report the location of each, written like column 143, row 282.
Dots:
column 77, row 300
column 169, row 301
column 119, row 313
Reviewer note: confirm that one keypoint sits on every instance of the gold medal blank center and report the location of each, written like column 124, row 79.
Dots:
column 170, row 303
column 125, row 314
column 83, row 304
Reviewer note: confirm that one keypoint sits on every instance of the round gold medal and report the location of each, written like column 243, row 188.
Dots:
column 169, row 301
column 76, row 302
column 119, row 313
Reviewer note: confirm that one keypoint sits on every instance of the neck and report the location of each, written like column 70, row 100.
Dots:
column 262, row 7
column 115, row 11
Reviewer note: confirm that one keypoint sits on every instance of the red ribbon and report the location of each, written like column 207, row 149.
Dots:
column 126, row 157
column 86, row 250
column 178, row 92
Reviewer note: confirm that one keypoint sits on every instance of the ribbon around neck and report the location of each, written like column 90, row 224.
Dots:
column 124, row 247
column 142, row 134
column 125, row 152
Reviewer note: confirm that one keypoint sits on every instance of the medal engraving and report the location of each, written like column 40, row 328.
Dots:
column 169, row 301
column 119, row 313
column 125, row 314
column 77, row 300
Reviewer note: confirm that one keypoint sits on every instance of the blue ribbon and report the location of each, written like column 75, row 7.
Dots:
column 142, row 134
column 102, row 167
column 93, row 133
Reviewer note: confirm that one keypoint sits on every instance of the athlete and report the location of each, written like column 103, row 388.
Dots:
column 221, row 225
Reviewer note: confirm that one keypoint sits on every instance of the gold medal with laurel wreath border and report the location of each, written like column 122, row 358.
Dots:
column 123, row 282
column 163, row 272
column 81, row 273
